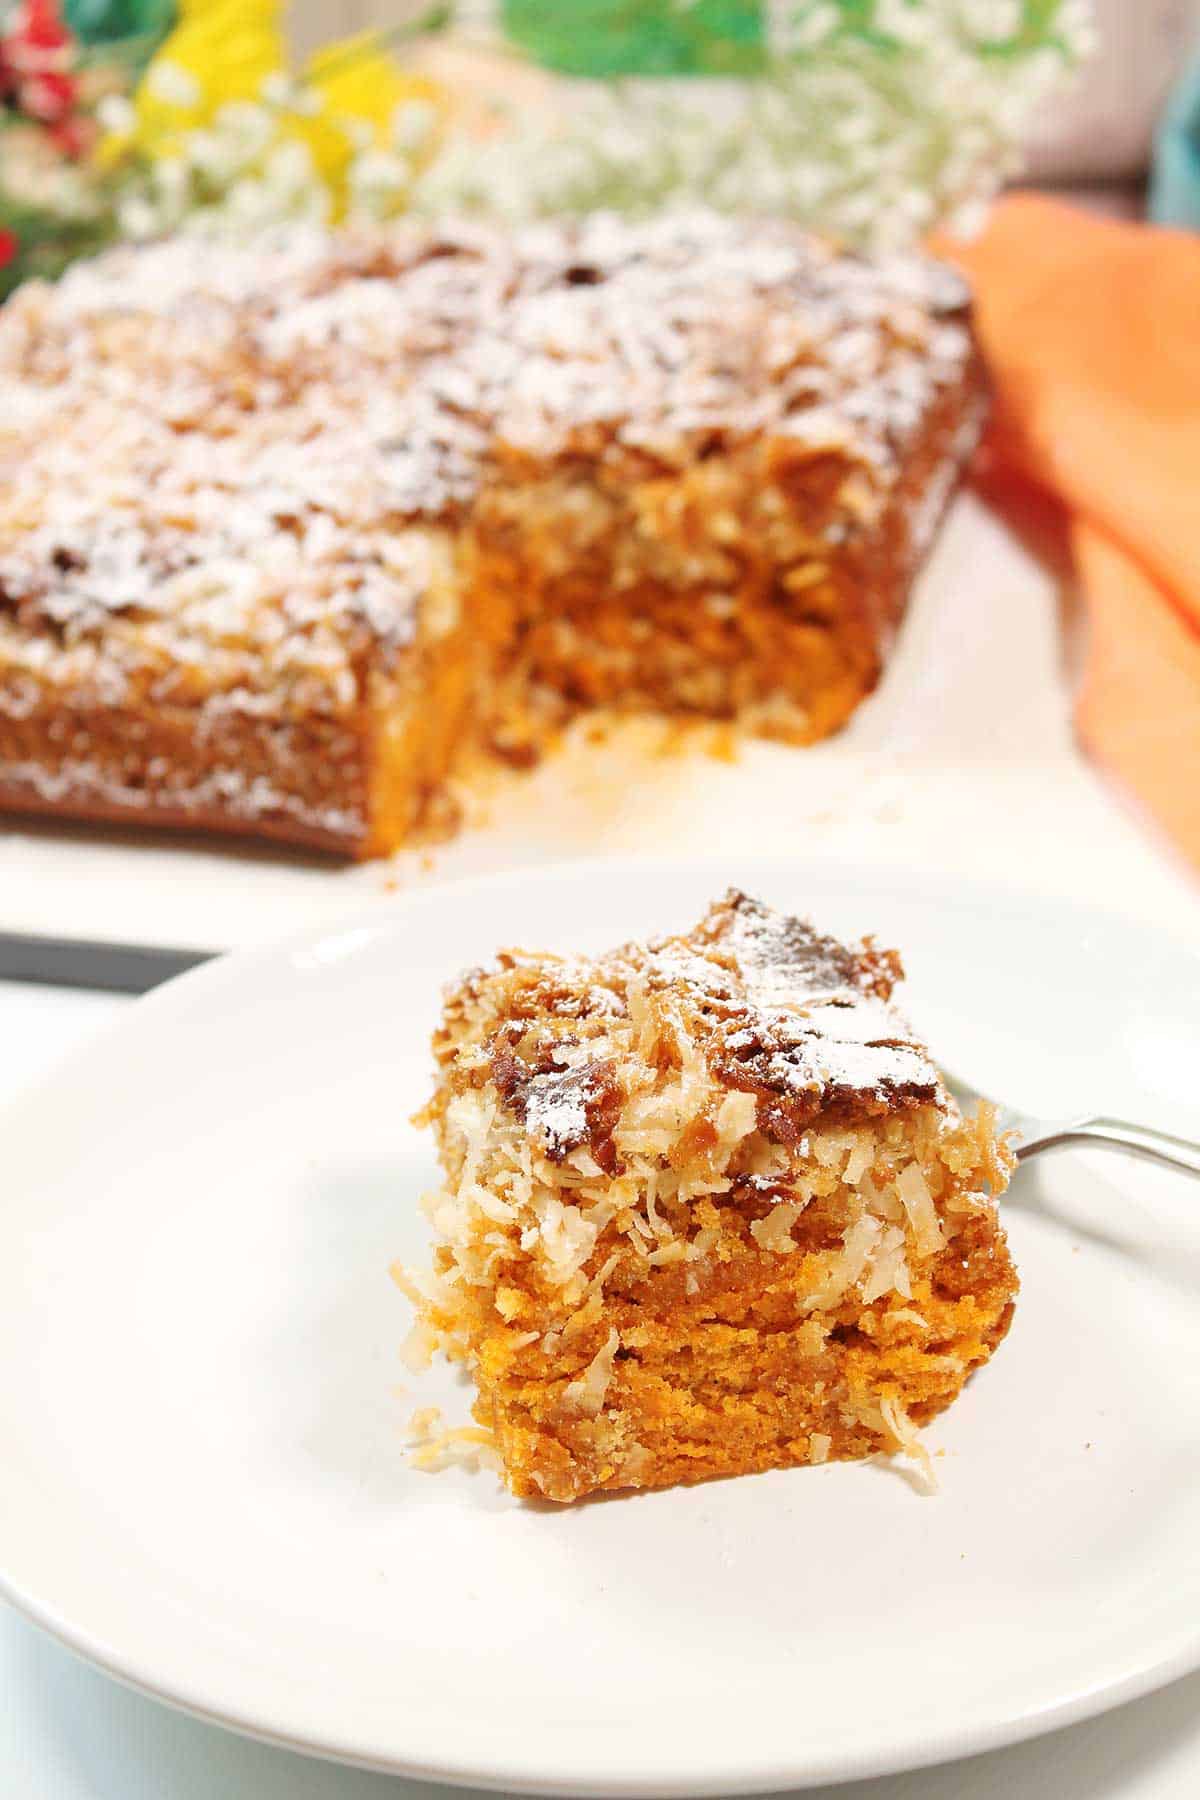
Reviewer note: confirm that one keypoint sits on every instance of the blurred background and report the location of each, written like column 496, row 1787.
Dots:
column 872, row 120
column 1100, row 134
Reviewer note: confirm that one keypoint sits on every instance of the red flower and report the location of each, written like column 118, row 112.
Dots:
column 36, row 54
column 75, row 136
column 48, row 97
column 8, row 248
column 37, row 26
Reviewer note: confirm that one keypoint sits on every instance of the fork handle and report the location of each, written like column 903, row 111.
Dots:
column 1116, row 1134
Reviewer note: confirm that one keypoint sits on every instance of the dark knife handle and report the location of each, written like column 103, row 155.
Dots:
column 79, row 963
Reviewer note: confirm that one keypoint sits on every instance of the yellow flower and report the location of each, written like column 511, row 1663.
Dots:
column 357, row 89
column 220, row 50
column 227, row 59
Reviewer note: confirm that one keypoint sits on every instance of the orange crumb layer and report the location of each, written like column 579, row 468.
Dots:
column 748, row 1379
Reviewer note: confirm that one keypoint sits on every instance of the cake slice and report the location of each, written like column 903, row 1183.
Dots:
column 707, row 1208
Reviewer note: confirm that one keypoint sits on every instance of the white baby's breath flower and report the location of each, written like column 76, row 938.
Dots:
column 248, row 202
column 307, row 100
column 138, row 218
column 990, row 21
column 244, row 127
column 872, row 144
column 212, row 156
column 277, row 88
column 901, row 20
column 115, row 113
column 171, row 83
column 289, row 167
column 171, row 180
column 808, row 185
column 412, row 124
column 871, row 139
column 378, row 183
column 803, row 27
column 312, row 205
column 359, row 132
column 281, row 92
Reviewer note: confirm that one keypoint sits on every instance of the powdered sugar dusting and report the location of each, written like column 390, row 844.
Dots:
column 231, row 793
column 556, row 1108
column 819, row 1018
column 772, row 1006
column 286, row 427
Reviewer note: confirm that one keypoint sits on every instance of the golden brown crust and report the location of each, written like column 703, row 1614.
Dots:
column 79, row 805
column 302, row 782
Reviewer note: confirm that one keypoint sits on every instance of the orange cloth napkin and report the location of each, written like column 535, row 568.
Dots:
column 1091, row 330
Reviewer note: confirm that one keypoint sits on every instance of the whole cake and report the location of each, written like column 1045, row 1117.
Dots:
column 707, row 1209
column 281, row 528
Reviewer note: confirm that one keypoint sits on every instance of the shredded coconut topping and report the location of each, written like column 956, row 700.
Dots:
column 608, row 1098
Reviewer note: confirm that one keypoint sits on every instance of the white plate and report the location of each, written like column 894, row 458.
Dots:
column 204, row 1481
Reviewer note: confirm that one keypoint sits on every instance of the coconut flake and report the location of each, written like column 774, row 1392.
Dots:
column 586, row 1393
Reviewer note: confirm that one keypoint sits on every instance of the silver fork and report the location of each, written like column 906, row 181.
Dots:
column 1030, row 1136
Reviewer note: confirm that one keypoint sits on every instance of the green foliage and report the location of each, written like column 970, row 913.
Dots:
column 640, row 37
column 48, row 243
column 610, row 38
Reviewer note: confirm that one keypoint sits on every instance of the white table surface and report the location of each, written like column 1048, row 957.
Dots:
column 68, row 1732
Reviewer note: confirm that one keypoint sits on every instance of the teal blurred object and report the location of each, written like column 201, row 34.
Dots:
column 114, row 21
column 1175, row 182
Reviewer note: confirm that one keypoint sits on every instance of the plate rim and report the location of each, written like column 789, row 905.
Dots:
column 919, row 1751
column 922, row 1747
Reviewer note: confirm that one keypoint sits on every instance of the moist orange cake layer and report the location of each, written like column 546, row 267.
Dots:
column 283, row 529
column 707, row 1208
